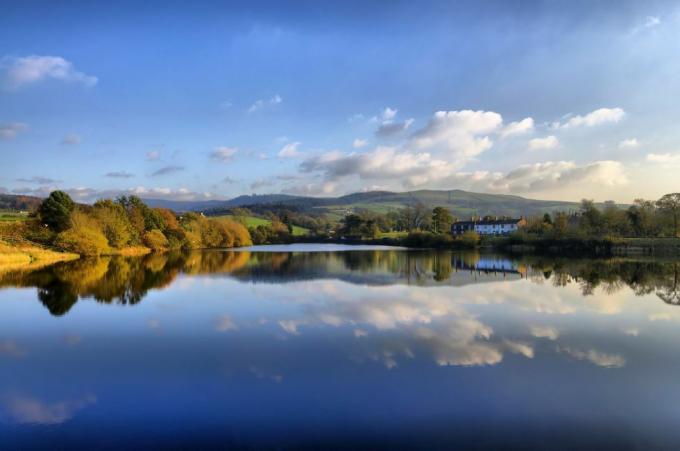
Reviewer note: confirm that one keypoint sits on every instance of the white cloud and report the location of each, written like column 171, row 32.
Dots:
column 20, row 71
column 29, row 410
column 223, row 153
column 225, row 323
column 389, row 114
column 381, row 163
column 517, row 347
column 597, row 117
column 359, row 143
column 461, row 134
column 11, row 129
column 290, row 150
column 518, row 128
column 549, row 142
column 649, row 22
column 261, row 103
column 666, row 159
column 629, row 143
column 153, row 155
column 71, row 140
column 596, row 357
column 548, row 332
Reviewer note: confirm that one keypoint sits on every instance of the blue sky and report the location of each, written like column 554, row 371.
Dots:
column 555, row 100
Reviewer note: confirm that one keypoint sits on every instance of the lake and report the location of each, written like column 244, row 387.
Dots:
column 341, row 347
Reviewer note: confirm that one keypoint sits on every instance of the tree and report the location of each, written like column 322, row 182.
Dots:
column 352, row 225
column 55, row 211
column 441, row 220
column 670, row 203
column 113, row 222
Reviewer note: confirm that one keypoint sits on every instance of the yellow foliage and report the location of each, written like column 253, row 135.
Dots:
column 155, row 240
column 83, row 239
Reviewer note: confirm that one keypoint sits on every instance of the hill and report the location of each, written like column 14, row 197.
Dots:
column 19, row 202
column 461, row 203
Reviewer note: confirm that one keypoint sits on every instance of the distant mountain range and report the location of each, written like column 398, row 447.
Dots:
column 461, row 203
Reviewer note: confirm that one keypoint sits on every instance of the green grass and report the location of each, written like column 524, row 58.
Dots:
column 8, row 215
column 253, row 221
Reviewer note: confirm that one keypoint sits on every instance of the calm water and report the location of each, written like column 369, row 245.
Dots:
column 323, row 347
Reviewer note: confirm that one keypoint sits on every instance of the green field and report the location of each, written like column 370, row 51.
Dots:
column 253, row 221
column 8, row 215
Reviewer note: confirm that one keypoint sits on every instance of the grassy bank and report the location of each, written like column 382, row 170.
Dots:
column 25, row 256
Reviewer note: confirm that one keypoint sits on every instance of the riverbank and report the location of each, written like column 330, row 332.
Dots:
column 566, row 246
column 29, row 257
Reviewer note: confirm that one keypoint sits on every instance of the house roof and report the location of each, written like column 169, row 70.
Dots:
column 488, row 222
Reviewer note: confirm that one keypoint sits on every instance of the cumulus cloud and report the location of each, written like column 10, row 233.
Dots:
column 71, row 140
column 549, row 142
column 165, row 170
column 518, row 347
column 223, row 153
column 518, row 128
column 30, row 410
column 462, row 134
column 359, row 143
column 629, row 143
column 290, row 150
column 119, row 175
column 12, row 129
column 20, row 71
column 549, row 175
column 262, row 103
column 597, row 117
column 381, row 163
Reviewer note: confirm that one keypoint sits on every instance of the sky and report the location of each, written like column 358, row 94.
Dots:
column 542, row 99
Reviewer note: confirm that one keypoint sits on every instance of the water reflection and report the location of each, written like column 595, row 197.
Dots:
column 286, row 349
column 127, row 280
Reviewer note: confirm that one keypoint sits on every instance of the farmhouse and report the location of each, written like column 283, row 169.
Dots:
column 488, row 226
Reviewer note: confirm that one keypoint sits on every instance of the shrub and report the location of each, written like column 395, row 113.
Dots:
column 469, row 239
column 155, row 240
column 83, row 241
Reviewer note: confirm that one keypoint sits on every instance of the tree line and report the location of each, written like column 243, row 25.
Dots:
column 112, row 226
column 643, row 219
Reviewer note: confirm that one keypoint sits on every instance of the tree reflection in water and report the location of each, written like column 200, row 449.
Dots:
column 127, row 280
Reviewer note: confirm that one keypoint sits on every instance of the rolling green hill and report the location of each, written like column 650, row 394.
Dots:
column 461, row 203
column 253, row 221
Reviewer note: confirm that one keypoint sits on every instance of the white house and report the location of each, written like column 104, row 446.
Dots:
column 488, row 226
